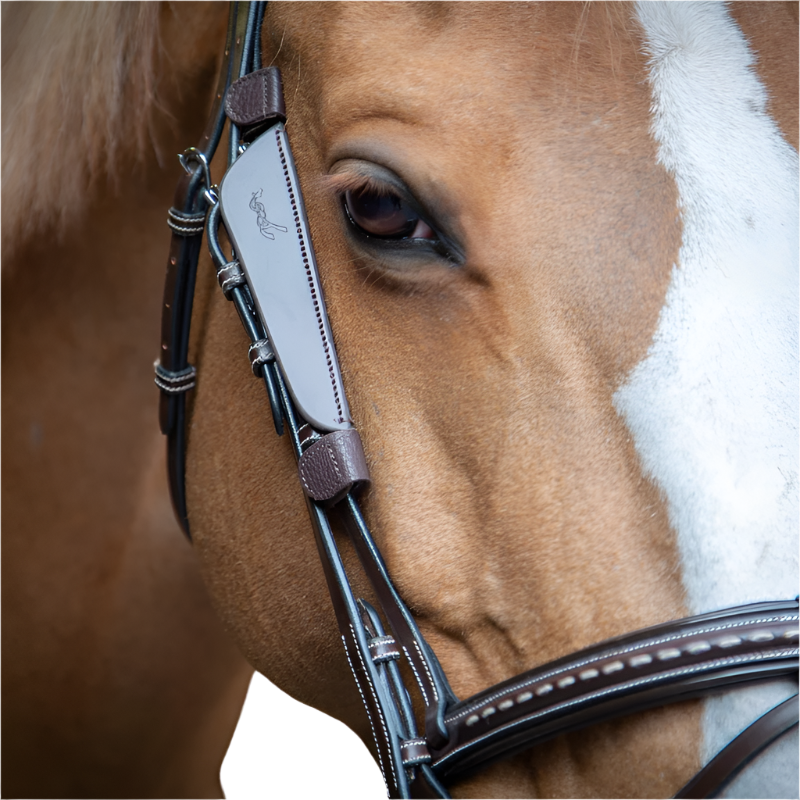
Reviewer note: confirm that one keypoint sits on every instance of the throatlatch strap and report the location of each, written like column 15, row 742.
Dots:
column 174, row 375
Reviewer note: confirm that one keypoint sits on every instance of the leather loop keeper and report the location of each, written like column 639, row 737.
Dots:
column 414, row 752
column 333, row 466
column 383, row 648
column 256, row 98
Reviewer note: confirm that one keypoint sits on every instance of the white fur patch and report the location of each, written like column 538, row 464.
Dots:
column 713, row 408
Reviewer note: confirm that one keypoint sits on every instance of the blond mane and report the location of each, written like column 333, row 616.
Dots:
column 78, row 87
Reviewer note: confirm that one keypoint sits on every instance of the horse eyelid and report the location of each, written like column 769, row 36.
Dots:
column 341, row 182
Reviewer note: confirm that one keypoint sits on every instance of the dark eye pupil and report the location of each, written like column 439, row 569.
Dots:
column 380, row 214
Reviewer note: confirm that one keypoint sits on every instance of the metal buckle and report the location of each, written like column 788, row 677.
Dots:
column 193, row 155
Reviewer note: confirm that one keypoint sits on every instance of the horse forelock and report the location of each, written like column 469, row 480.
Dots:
column 713, row 407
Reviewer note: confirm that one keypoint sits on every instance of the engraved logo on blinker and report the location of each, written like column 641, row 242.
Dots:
column 264, row 225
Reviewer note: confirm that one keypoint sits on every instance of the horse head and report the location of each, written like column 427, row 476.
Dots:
column 558, row 249
column 527, row 254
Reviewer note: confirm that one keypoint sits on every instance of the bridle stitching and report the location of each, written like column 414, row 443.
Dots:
column 611, row 654
column 428, row 672
column 618, row 688
column 314, row 297
column 416, row 675
column 366, row 708
column 377, row 705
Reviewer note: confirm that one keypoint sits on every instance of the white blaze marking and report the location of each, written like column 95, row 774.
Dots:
column 713, row 407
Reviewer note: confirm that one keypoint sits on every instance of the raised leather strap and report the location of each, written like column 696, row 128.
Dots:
column 659, row 665
column 714, row 776
column 176, row 313
column 333, row 466
column 434, row 689
column 355, row 620
column 256, row 98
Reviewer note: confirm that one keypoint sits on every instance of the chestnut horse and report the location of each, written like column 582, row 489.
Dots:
column 575, row 380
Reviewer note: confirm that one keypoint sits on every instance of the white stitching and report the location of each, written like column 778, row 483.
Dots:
column 173, row 389
column 430, row 677
column 366, row 707
column 333, row 458
column 612, row 689
column 613, row 653
column 416, row 675
column 378, row 707
column 185, row 230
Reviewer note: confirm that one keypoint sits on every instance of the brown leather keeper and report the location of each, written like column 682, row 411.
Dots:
column 333, row 466
column 383, row 648
column 414, row 751
column 256, row 98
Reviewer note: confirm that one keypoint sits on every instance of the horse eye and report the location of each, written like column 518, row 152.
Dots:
column 385, row 216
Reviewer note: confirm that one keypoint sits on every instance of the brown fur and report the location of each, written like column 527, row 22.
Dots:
column 507, row 496
column 66, row 120
column 118, row 680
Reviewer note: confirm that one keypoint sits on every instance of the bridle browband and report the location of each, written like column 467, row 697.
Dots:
column 659, row 665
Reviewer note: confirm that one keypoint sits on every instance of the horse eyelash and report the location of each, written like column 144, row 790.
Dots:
column 341, row 182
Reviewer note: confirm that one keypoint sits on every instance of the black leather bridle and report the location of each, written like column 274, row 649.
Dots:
column 663, row 664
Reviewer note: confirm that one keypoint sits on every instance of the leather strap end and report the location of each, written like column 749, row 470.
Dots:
column 333, row 466
column 256, row 98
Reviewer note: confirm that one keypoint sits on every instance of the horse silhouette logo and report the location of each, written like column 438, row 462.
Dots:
column 264, row 225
